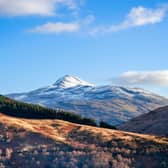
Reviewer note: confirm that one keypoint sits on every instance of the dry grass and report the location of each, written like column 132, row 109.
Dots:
column 59, row 130
column 55, row 143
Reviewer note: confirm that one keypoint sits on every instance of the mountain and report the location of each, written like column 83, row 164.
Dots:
column 112, row 104
column 55, row 143
column 32, row 136
column 154, row 122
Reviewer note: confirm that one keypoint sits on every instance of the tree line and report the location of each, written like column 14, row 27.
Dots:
column 30, row 111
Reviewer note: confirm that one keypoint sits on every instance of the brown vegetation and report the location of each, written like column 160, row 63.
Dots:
column 54, row 143
column 154, row 122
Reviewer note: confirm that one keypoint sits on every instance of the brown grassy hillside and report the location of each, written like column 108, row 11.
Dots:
column 54, row 143
column 154, row 122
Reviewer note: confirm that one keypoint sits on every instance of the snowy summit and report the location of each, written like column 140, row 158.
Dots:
column 70, row 81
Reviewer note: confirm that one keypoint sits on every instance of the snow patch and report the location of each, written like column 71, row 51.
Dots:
column 70, row 81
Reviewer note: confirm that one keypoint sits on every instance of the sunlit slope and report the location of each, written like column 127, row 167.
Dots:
column 57, row 143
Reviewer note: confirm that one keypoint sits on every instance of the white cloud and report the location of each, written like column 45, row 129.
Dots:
column 34, row 7
column 61, row 27
column 151, row 78
column 56, row 28
column 138, row 16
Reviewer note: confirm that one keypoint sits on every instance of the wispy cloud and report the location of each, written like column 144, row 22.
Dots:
column 63, row 27
column 34, row 7
column 151, row 78
column 56, row 28
column 138, row 16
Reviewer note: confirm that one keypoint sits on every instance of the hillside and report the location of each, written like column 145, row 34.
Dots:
column 24, row 110
column 55, row 143
column 112, row 104
column 154, row 122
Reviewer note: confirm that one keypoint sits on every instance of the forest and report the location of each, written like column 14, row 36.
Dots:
column 30, row 111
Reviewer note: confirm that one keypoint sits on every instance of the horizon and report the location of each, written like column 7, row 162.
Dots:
column 121, row 43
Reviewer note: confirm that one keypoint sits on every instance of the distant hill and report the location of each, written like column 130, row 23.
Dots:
column 55, row 143
column 112, row 104
column 154, row 122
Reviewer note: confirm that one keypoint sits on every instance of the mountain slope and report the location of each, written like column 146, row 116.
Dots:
column 154, row 122
column 112, row 104
column 54, row 143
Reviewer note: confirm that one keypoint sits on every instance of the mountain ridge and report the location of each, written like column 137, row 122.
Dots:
column 112, row 104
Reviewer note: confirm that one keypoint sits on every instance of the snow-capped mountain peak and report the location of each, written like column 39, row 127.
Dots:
column 70, row 81
column 112, row 104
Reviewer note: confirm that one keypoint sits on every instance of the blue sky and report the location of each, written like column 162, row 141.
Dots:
column 104, row 42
